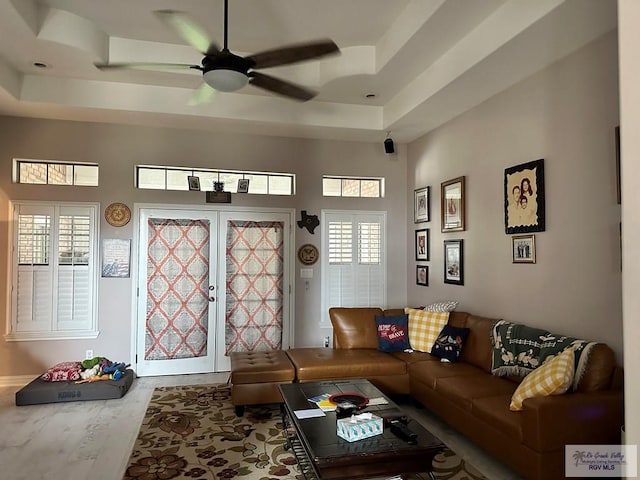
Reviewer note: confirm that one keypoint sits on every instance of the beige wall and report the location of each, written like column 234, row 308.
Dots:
column 118, row 148
column 566, row 115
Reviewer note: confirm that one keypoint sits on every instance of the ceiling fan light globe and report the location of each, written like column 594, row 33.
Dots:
column 225, row 80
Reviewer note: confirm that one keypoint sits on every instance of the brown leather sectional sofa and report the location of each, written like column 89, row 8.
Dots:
column 472, row 400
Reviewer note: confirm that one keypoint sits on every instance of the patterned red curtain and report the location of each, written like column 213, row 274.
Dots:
column 254, row 291
column 177, row 289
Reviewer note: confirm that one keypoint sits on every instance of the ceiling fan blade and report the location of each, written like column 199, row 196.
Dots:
column 203, row 94
column 293, row 54
column 281, row 87
column 146, row 66
column 189, row 30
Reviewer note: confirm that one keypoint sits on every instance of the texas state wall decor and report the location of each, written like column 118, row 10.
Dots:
column 310, row 222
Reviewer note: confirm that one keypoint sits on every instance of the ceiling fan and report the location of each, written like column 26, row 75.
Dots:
column 226, row 72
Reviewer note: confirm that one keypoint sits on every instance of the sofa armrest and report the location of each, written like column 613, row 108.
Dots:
column 550, row 423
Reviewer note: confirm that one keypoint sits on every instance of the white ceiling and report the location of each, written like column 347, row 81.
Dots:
column 425, row 61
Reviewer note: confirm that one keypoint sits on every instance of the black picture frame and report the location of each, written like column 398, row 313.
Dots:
column 524, row 211
column 454, row 262
column 243, row 185
column 421, row 205
column 194, row 183
column 422, row 275
column 453, row 205
column 422, row 244
column 616, row 134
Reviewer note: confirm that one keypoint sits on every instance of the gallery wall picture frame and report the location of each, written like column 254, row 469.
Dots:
column 524, row 204
column 194, row 183
column 422, row 275
column 454, row 262
column 452, row 205
column 421, row 205
column 116, row 258
column 523, row 248
column 422, row 244
column 243, row 185
column 617, row 148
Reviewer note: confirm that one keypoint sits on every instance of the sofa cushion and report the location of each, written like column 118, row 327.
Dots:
column 354, row 327
column 449, row 343
column 554, row 377
column 445, row 306
column 424, row 328
column 494, row 411
column 430, row 372
column 393, row 333
column 410, row 357
column 319, row 363
column 463, row 390
column 478, row 349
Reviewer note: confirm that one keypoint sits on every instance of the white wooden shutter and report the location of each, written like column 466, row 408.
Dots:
column 353, row 265
column 54, row 269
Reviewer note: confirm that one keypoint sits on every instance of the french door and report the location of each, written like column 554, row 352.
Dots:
column 210, row 283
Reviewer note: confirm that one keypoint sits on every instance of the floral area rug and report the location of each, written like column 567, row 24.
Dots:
column 192, row 432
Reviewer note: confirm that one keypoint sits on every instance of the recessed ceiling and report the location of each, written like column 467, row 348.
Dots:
column 425, row 61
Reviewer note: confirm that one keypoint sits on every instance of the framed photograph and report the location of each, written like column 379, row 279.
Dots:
column 116, row 254
column 453, row 262
column 524, row 198
column 243, row 185
column 422, row 244
column 422, row 275
column 452, row 203
column 194, row 183
column 523, row 248
column 617, row 144
column 421, row 207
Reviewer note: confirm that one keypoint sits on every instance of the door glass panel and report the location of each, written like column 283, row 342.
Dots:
column 177, row 289
column 254, row 286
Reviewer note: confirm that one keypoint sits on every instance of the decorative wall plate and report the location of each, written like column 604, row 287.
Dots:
column 117, row 214
column 308, row 254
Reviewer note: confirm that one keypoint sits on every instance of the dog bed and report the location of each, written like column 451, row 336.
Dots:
column 41, row 391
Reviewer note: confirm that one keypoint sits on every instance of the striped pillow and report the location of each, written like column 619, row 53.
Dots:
column 446, row 306
column 424, row 328
column 553, row 377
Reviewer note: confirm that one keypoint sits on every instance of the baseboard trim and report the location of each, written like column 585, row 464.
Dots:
column 16, row 381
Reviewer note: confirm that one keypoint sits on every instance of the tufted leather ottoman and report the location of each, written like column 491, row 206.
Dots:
column 255, row 377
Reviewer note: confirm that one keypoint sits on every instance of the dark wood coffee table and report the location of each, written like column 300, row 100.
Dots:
column 323, row 455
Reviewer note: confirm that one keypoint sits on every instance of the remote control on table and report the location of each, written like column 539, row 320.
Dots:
column 400, row 430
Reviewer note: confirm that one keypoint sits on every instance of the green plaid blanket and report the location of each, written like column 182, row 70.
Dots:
column 518, row 349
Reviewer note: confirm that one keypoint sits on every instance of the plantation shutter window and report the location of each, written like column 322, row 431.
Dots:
column 54, row 268
column 353, row 266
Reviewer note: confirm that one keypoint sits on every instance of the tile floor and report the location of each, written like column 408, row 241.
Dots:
column 93, row 440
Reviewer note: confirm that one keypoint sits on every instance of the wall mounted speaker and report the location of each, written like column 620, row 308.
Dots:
column 388, row 146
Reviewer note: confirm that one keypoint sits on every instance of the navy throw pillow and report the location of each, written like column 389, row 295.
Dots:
column 448, row 346
column 393, row 333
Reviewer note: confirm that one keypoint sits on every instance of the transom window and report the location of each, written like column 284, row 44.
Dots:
column 176, row 178
column 55, row 173
column 352, row 187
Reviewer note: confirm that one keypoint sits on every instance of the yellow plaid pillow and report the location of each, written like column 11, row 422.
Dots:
column 551, row 378
column 424, row 328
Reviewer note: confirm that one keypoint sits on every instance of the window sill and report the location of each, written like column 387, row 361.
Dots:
column 38, row 336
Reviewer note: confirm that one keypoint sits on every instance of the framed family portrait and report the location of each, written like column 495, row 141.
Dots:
column 452, row 205
column 422, row 244
column 421, row 208
column 422, row 275
column 523, row 248
column 524, row 198
column 453, row 262
column 194, row 183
